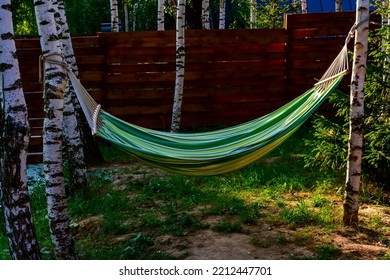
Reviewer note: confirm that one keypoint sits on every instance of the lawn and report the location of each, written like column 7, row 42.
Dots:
column 275, row 208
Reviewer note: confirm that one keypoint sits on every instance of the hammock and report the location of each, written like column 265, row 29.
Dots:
column 215, row 152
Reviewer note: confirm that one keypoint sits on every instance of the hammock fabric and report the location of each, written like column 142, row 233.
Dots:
column 215, row 152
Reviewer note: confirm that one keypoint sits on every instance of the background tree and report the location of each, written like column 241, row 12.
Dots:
column 114, row 15
column 206, row 14
column 55, row 85
column 160, row 15
column 303, row 6
column 126, row 14
column 339, row 5
column 14, row 139
column 222, row 14
column 180, row 62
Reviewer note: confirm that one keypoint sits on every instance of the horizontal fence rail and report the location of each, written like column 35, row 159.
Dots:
column 231, row 76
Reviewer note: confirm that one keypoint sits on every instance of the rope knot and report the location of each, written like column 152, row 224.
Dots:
column 47, row 58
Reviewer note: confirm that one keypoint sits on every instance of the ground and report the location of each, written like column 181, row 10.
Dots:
column 265, row 239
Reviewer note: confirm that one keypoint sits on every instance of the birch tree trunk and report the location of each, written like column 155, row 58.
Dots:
column 222, row 13
column 180, row 62
column 126, row 12
column 74, row 144
column 206, row 14
column 339, row 5
column 355, row 143
column 55, row 85
column 160, row 15
column 14, row 140
column 253, row 10
column 304, row 6
column 114, row 15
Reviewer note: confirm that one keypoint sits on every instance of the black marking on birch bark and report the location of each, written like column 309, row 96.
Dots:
column 6, row 7
column 17, row 109
column 356, row 102
column 44, row 22
column 14, row 55
column 38, row 3
column 55, row 75
column 18, row 84
column 349, row 189
column 357, row 123
column 7, row 36
column 53, row 38
column 5, row 66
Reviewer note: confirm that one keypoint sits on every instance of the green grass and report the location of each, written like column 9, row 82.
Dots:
column 128, row 223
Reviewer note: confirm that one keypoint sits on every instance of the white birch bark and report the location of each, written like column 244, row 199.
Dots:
column 14, row 140
column 180, row 62
column 355, row 143
column 74, row 143
column 114, row 15
column 206, row 14
column 55, row 85
column 222, row 13
column 339, row 5
column 253, row 11
column 126, row 12
column 160, row 15
column 304, row 6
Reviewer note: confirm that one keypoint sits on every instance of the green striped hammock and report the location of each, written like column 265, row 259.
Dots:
column 215, row 152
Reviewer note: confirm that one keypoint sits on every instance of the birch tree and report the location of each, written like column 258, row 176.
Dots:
column 74, row 143
column 160, row 15
column 356, row 119
column 180, row 62
column 14, row 140
column 126, row 12
column 206, row 14
column 55, row 85
column 222, row 14
column 304, row 6
column 114, row 15
column 339, row 5
column 253, row 10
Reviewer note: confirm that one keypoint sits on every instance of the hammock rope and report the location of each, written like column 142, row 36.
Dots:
column 219, row 151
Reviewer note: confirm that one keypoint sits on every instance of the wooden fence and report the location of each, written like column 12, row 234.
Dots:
column 231, row 76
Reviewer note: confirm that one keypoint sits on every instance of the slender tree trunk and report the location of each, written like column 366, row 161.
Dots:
column 160, row 15
column 304, row 6
column 55, row 85
column 253, row 10
column 222, row 13
column 339, row 5
column 355, row 144
column 126, row 12
column 180, row 61
column 14, row 139
column 206, row 14
column 114, row 15
column 74, row 144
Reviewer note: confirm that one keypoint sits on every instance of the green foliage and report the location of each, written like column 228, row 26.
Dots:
column 328, row 148
column 23, row 17
column 270, row 13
